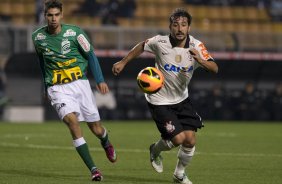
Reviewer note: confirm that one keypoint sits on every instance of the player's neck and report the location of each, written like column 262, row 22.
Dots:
column 54, row 31
column 181, row 43
column 178, row 43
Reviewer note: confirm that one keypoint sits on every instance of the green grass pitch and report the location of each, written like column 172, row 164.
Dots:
column 226, row 153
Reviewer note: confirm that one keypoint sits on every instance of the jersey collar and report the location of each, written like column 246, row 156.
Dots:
column 173, row 43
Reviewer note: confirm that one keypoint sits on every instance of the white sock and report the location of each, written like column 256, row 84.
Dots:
column 162, row 145
column 184, row 157
column 78, row 142
column 105, row 133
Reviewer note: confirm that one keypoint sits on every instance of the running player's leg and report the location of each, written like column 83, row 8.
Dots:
column 169, row 127
column 80, row 144
column 65, row 101
column 185, row 154
column 102, row 133
column 191, row 122
column 90, row 114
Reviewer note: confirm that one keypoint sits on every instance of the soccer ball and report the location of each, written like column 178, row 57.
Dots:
column 150, row 80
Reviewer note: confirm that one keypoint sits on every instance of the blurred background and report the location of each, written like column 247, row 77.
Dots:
column 244, row 37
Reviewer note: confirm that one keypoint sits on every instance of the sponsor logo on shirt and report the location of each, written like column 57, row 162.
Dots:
column 59, row 106
column 48, row 52
column 69, row 32
column 204, row 52
column 40, row 36
column 162, row 41
column 83, row 42
column 64, row 76
column 173, row 68
column 66, row 63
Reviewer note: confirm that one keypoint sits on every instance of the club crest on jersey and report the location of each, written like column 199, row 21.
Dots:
column 83, row 42
column 65, row 46
column 40, row 36
column 178, row 58
column 69, row 32
column 169, row 127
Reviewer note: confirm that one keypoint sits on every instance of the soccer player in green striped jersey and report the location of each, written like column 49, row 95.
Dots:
column 64, row 53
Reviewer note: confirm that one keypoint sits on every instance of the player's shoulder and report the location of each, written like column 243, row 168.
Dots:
column 161, row 39
column 70, row 30
column 71, row 26
column 193, row 41
column 39, row 34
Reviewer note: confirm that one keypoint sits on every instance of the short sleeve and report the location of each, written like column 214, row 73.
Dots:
column 201, row 48
column 150, row 44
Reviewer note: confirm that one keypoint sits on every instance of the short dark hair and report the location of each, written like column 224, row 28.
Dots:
column 180, row 12
column 53, row 4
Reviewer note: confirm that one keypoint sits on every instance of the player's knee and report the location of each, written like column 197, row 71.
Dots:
column 189, row 143
column 189, row 151
column 96, row 128
column 178, row 139
column 70, row 119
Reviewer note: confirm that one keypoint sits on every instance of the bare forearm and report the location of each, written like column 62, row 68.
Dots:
column 209, row 66
column 134, row 52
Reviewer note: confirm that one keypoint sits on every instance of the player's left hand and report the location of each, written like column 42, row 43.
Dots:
column 196, row 55
column 102, row 87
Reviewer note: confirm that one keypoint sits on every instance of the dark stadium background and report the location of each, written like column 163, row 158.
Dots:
column 244, row 37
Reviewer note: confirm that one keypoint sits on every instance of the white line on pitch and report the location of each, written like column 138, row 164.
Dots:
column 34, row 146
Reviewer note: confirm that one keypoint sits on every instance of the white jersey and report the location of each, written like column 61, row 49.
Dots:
column 177, row 66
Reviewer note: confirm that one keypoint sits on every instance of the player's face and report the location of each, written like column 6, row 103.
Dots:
column 179, row 28
column 53, row 17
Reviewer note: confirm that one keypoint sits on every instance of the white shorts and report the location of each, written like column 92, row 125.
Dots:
column 76, row 97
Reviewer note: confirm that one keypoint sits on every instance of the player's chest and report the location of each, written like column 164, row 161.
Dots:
column 176, row 56
column 57, row 46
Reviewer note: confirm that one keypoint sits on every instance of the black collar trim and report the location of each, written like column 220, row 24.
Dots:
column 173, row 42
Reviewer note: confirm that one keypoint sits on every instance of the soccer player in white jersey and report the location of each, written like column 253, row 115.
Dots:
column 177, row 56
column 64, row 53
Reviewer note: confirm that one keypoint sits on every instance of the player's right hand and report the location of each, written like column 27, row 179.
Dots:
column 118, row 67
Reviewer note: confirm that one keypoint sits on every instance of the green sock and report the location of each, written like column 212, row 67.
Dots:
column 105, row 139
column 83, row 151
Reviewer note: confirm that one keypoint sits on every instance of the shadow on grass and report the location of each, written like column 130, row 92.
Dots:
column 81, row 178
column 37, row 174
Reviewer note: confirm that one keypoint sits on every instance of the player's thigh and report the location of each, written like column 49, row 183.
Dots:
column 63, row 104
column 188, row 116
column 87, row 102
column 166, row 120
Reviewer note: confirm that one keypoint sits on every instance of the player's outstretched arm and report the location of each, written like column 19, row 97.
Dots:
column 133, row 53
